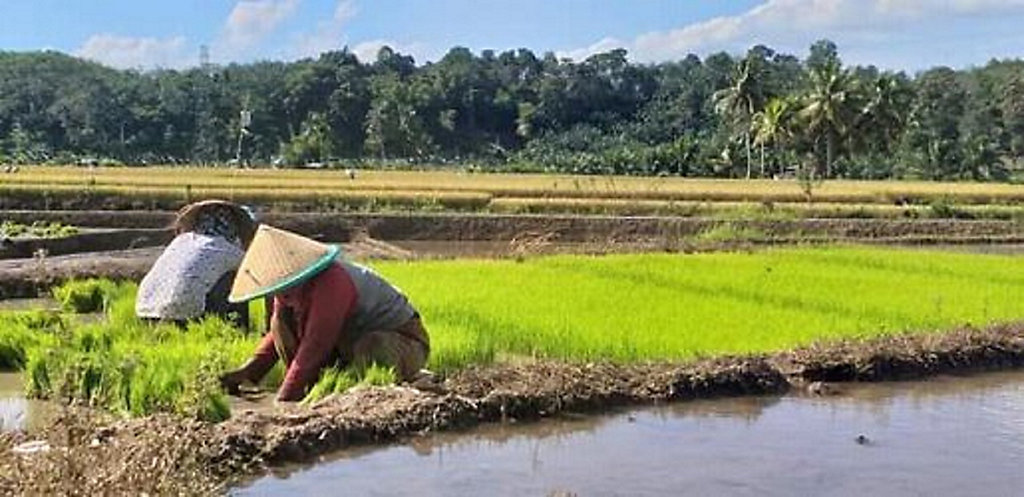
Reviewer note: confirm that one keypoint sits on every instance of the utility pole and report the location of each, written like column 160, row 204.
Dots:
column 244, row 120
column 201, row 89
column 204, row 59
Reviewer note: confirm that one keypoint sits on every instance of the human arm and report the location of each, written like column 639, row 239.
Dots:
column 255, row 369
column 331, row 299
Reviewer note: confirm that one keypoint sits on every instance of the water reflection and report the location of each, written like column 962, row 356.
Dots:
column 17, row 413
column 13, row 406
column 947, row 436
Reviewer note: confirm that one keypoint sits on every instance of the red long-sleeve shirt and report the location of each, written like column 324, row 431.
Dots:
column 320, row 306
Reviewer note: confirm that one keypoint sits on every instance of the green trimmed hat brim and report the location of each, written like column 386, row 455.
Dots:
column 295, row 279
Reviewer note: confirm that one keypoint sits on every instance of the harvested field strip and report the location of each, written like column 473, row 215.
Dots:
column 310, row 194
column 525, row 185
column 748, row 210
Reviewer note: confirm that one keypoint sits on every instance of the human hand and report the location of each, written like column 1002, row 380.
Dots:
column 285, row 404
column 232, row 380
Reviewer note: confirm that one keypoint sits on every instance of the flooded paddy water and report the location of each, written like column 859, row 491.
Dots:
column 29, row 304
column 17, row 412
column 945, row 436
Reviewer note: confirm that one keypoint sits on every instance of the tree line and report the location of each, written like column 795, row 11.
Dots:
column 759, row 114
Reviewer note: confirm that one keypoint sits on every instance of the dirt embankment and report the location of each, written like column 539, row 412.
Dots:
column 366, row 235
column 92, row 241
column 26, row 278
column 151, row 453
column 493, row 227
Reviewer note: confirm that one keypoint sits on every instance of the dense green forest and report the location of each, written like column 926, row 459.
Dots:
column 758, row 114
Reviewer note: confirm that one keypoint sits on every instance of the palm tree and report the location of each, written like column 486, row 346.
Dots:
column 828, row 109
column 740, row 101
column 884, row 114
column 772, row 125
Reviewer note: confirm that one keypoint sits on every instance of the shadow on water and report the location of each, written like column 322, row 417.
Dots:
column 946, row 436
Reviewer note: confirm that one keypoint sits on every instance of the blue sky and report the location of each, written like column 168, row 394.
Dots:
column 895, row 34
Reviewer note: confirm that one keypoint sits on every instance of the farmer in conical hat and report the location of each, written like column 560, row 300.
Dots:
column 326, row 311
column 193, row 275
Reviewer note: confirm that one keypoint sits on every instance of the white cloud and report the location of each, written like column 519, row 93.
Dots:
column 329, row 34
column 367, row 51
column 136, row 53
column 250, row 22
column 604, row 45
column 791, row 25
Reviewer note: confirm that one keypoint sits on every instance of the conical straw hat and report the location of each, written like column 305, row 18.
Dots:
column 243, row 219
column 278, row 260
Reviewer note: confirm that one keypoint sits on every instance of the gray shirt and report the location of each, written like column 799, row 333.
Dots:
column 380, row 306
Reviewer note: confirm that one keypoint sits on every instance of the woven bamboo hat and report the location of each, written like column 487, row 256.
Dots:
column 243, row 219
column 278, row 260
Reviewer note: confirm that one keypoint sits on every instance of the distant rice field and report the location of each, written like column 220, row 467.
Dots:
column 482, row 188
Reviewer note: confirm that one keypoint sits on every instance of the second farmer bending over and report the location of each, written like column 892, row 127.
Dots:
column 326, row 312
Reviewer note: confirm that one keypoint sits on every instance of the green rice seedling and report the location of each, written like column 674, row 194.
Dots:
column 337, row 381
column 332, row 380
column 201, row 397
column 38, row 229
column 672, row 307
column 85, row 296
column 377, row 375
column 621, row 308
column 10, row 229
column 126, row 365
column 258, row 316
column 21, row 330
column 119, row 305
column 13, row 342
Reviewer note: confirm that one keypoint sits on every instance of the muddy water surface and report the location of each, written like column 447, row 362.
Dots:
column 947, row 436
column 485, row 249
column 17, row 412
column 44, row 303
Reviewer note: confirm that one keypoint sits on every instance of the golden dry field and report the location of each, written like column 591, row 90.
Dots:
column 517, row 192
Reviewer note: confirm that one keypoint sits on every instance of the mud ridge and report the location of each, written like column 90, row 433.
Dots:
column 254, row 440
column 32, row 277
column 567, row 228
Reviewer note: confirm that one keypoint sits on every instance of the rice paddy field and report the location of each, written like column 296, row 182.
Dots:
column 623, row 308
column 519, row 193
column 673, row 307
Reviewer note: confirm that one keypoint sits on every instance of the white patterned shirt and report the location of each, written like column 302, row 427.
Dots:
column 175, row 287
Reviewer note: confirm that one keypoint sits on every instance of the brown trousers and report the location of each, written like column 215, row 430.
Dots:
column 405, row 348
